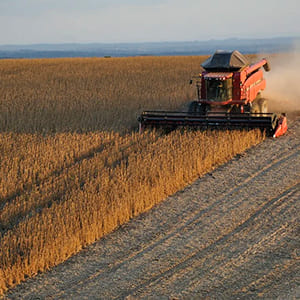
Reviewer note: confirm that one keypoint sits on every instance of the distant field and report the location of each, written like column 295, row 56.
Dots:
column 63, row 95
column 72, row 165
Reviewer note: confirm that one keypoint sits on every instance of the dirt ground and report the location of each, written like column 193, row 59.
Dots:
column 232, row 234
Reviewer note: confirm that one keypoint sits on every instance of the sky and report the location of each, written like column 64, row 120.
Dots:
column 113, row 21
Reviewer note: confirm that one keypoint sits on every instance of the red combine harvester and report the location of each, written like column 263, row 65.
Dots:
column 229, row 96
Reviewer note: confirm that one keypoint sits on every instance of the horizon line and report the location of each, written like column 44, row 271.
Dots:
column 150, row 42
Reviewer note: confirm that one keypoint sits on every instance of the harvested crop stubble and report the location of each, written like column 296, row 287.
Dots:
column 71, row 171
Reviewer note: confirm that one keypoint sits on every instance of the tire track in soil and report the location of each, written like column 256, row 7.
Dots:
column 266, row 290
column 187, row 262
column 50, row 285
column 240, row 252
column 191, row 222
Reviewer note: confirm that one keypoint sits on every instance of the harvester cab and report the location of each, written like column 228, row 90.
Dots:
column 218, row 86
column 228, row 96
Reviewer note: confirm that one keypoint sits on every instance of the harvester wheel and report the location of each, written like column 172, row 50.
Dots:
column 263, row 106
column 202, row 109
column 197, row 108
column 255, row 105
column 255, row 109
column 237, row 109
column 193, row 107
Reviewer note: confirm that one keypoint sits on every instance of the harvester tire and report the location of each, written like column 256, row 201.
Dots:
column 202, row 109
column 193, row 107
column 263, row 106
column 197, row 108
column 255, row 109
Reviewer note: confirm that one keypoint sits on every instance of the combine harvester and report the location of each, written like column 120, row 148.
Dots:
column 229, row 96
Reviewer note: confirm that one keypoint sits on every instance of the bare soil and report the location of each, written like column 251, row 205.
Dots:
column 232, row 234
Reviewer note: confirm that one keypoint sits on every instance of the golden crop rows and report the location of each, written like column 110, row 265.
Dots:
column 71, row 167
column 90, row 94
